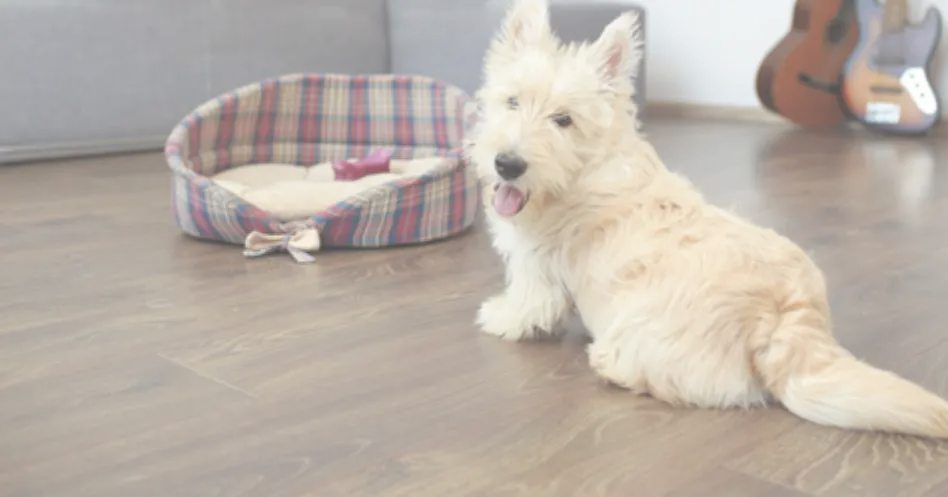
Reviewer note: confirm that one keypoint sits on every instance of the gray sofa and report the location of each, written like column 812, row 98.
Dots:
column 114, row 75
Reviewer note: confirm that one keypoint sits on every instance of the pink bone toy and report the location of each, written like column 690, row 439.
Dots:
column 374, row 163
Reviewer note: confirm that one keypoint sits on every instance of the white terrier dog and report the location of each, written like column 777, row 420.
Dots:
column 684, row 301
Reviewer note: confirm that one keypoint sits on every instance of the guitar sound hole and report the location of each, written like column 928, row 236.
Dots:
column 835, row 32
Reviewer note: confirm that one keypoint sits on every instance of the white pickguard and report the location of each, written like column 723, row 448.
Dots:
column 918, row 88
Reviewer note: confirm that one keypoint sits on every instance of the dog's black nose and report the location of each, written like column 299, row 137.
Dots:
column 510, row 166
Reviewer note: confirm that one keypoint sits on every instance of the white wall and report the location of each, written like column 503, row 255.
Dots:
column 707, row 51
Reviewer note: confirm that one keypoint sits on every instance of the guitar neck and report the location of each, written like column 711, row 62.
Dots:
column 894, row 15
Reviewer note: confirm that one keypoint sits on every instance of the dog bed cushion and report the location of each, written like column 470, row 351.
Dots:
column 257, row 166
column 293, row 193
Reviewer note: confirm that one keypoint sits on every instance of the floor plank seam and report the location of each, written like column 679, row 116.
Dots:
column 210, row 378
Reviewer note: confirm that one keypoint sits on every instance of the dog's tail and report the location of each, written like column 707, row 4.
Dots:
column 815, row 378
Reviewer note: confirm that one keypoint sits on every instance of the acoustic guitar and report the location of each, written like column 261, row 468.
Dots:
column 886, row 84
column 799, row 77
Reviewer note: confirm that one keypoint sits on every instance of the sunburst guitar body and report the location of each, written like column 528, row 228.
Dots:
column 886, row 84
column 799, row 77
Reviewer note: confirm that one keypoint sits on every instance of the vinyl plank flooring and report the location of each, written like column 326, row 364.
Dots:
column 837, row 463
column 135, row 361
column 723, row 482
column 58, row 428
column 591, row 443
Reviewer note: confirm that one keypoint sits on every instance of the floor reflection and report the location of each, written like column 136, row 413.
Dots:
column 846, row 179
column 906, row 168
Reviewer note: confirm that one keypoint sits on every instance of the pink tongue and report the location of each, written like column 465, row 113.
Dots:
column 507, row 200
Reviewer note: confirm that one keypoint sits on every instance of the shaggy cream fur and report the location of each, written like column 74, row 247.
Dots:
column 684, row 301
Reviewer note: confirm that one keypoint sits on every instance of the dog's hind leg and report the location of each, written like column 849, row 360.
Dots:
column 604, row 361
column 533, row 305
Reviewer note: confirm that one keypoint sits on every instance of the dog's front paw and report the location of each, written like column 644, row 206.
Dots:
column 497, row 318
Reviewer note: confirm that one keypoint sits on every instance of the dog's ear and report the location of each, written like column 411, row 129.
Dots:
column 527, row 23
column 619, row 47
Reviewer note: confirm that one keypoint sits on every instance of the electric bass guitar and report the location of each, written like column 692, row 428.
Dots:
column 886, row 84
column 799, row 77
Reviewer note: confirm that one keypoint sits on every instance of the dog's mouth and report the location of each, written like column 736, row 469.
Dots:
column 508, row 199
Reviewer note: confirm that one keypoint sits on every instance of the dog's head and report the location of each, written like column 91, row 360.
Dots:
column 549, row 109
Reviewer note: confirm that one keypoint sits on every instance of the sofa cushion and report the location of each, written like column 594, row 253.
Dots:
column 108, row 75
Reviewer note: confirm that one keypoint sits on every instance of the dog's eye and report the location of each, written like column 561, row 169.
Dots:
column 513, row 103
column 562, row 120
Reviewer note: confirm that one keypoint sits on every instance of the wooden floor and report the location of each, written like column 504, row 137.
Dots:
column 136, row 362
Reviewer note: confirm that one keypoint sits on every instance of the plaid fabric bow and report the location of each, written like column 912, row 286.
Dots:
column 298, row 244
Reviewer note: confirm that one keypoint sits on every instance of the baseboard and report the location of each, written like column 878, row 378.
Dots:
column 686, row 110
column 52, row 151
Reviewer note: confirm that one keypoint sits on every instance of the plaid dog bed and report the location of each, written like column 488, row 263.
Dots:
column 307, row 119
